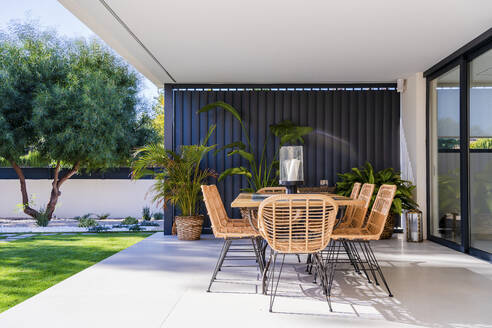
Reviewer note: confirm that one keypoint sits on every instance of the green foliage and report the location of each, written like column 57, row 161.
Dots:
column 482, row 143
column 403, row 197
column 135, row 227
column 66, row 103
column 449, row 192
column 103, row 216
column 98, row 228
column 158, row 121
column 42, row 218
column 146, row 214
column 90, row 117
column 87, row 222
column 129, row 220
column 149, row 224
column 448, row 143
column 158, row 216
column 262, row 172
column 180, row 179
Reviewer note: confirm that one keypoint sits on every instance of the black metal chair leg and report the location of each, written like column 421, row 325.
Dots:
column 265, row 274
column 378, row 267
column 273, row 292
column 369, row 261
column 351, row 256
column 220, row 261
column 353, row 245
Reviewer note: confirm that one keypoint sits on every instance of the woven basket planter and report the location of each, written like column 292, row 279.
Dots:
column 189, row 227
column 388, row 227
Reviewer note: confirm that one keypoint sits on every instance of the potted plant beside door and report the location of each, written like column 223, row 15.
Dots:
column 178, row 177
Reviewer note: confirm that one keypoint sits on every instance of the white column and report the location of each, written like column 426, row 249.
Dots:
column 413, row 125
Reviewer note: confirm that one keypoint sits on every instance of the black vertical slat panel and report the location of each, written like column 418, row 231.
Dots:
column 320, row 140
column 351, row 127
column 378, row 129
column 387, row 129
column 327, row 135
column 310, row 156
column 195, row 119
column 187, row 118
column 228, row 136
column 361, row 149
column 178, row 131
column 395, row 124
column 370, row 130
column 336, row 122
column 204, row 125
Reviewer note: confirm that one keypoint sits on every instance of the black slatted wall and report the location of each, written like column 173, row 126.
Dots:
column 352, row 125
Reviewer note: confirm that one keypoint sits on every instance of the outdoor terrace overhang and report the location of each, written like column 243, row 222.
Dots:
column 282, row 41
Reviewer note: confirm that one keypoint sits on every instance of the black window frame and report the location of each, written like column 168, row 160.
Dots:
column 462, row 59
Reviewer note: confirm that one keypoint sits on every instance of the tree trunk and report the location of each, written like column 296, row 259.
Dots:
column 25, row 198
column 55, row 187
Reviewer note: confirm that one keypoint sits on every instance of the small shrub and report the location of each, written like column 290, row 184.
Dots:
column 158, row 216
column 135, row 227
column 85, row 216
column 87, row 223
column 42, row 219
column 146, row 214
column 149, row 224
column 129, row 220
column 103, row 216
column 98, row 228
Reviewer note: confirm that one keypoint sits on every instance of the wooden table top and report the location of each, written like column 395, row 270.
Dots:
column 246, row 200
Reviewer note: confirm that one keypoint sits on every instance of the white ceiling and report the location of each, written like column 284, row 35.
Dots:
column 284, row 41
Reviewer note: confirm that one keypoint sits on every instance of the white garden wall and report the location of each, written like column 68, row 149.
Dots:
column 119, row 198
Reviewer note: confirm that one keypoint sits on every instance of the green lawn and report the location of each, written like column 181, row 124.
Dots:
column 31, row 265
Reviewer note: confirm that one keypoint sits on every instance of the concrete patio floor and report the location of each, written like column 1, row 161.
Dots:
column 161, row 282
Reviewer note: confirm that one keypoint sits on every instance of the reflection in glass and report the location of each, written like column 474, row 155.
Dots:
column 445, row 156
column 481, row 152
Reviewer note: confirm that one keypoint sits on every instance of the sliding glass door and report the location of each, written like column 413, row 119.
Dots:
column 459, row 134
column 480, row 143
column 445, row 155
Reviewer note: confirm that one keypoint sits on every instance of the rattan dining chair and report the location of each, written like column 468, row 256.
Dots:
column 353, row 194
column 297, row 224
column 272, row 190
column 230, row 230
column 362, row 236
column 357, row 214
column 356, row 220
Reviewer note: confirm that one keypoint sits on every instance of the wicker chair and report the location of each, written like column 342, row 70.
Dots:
column 348, row 211
column 272, row 190
column 229, row 230
column 358, row 213
column 293, row 224
column 371, row 231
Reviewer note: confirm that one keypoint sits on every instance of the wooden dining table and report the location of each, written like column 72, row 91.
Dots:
column 249, row 200
column 248, row 203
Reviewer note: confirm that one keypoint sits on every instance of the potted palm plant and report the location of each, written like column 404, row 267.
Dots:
column 177, row 181
column 403, row 197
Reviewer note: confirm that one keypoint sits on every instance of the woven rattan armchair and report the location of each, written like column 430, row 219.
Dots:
column 230, row 230
column 362, row 236
column 358, row 213
column 293, row 224
column 348, row 211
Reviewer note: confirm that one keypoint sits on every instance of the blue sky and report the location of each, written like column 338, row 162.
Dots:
column 52, row 14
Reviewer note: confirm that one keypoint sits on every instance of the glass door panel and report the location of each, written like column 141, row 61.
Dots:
column 445, row 154
column 480, row 71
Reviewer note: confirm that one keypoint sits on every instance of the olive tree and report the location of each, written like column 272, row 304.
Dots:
column 74, row 102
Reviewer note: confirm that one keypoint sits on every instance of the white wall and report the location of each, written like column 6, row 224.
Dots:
column 413, row 117
column 119, row 198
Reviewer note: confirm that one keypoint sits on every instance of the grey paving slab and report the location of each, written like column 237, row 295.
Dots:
column 163, row 282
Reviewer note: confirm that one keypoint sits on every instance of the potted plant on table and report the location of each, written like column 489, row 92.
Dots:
column 178, row 181
column 403, row 197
